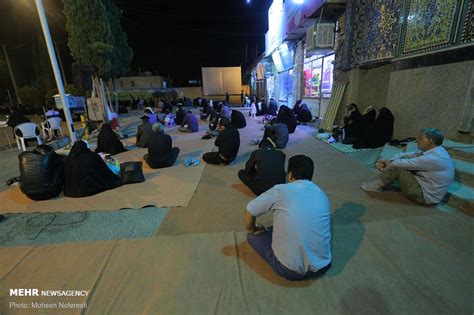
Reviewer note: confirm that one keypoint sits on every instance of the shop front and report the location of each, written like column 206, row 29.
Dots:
column 318, row 82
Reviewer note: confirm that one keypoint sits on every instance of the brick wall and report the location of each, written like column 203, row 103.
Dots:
column 298, row 87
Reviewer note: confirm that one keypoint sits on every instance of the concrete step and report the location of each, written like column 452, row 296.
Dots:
column 460, row 151
column 461, row 197
column 464, row 172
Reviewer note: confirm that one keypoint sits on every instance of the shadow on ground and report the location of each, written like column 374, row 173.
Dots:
column 347, row 235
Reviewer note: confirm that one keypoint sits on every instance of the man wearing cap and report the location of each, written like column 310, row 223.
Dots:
column 143, row 131
column 264, row 169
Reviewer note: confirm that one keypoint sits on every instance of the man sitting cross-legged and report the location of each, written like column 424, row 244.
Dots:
column 298, row 246
column 424, row 176
column 228, row 142
column 161, row 152
column 264, row 169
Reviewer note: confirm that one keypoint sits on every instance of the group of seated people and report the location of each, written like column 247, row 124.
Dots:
column 45, row 174
column 367, row 130
column 298, row 245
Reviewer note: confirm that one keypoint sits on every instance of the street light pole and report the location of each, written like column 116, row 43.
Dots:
column 12, row 76
column 54, row 64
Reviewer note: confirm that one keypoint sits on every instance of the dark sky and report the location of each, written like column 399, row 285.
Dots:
column 172, row 37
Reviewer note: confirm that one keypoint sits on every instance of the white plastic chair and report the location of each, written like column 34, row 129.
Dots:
column 28, row 131
column 50, row 125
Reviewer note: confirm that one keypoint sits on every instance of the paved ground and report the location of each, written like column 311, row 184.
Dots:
column 390, row 256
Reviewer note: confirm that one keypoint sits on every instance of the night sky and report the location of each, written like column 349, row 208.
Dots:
column 168, row 37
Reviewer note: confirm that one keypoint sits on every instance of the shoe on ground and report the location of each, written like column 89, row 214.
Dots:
column 373, row 186
column 205, row 137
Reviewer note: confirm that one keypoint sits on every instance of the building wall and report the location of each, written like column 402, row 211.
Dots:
column 429, row 97
column 368, row 87
column 127, row 83
column 418, row 98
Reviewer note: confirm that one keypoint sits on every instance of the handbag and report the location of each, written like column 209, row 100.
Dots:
column 131, row 173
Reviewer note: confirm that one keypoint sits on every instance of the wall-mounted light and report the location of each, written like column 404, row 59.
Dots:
column 298, row 1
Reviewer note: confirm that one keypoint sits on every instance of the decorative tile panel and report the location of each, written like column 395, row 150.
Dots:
column 380, row 29
column 429, row 25
column 467, row 35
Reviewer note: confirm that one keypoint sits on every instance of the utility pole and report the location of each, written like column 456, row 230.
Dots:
column 54, row 64
column 10, row 97
column 60, row 63
column 15, row 87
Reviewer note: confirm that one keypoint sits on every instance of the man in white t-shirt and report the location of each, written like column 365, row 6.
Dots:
column 298, row 246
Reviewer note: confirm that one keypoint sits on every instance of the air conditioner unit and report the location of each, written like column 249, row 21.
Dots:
column 324, row 35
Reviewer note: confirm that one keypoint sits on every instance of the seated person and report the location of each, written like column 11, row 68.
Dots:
column 41, row 172
column 225, row 111
column 264, row 169
column 237, row 120
column 115, row 124
column 52, row 112
column 108, row 142
column 286, row 116
column 190, row 123
column 143, row 131
column 160, row 149
column 86, row 174
column 180, row 113
column 228, row 142
column 277, row 133
column 298, row 246
column 296, row 107
column 168, row 119
column 424, row 176
column 151, row 115
column 382, row 131
column 15, row 119
column 352, row 124
column 272, row 108
column 213, row 123
column 304, row 114
column 366, row 125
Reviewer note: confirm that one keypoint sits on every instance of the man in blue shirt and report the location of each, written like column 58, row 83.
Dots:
column 298, row 246
column 190, row 123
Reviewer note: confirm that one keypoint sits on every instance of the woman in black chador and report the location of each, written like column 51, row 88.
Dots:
column 286, row 116
column 108, row 142
column 86, row 174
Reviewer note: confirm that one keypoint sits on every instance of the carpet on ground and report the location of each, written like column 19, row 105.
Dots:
column 167, row 187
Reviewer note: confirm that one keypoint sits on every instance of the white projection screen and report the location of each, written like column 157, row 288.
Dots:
column 221, row 80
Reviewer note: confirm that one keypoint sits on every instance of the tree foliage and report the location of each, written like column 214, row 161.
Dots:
column 31, row 96
column 95, row 36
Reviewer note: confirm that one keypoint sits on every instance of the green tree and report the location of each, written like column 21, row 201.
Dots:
column 31, row 96
column 122, row 54
column 89, row 35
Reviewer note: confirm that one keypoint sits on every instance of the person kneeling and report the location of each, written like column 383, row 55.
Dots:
column 41, row 173
column 424, row 176
column 298, row 246
column 160, row 149
column 264, row 169
column 228, row 142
